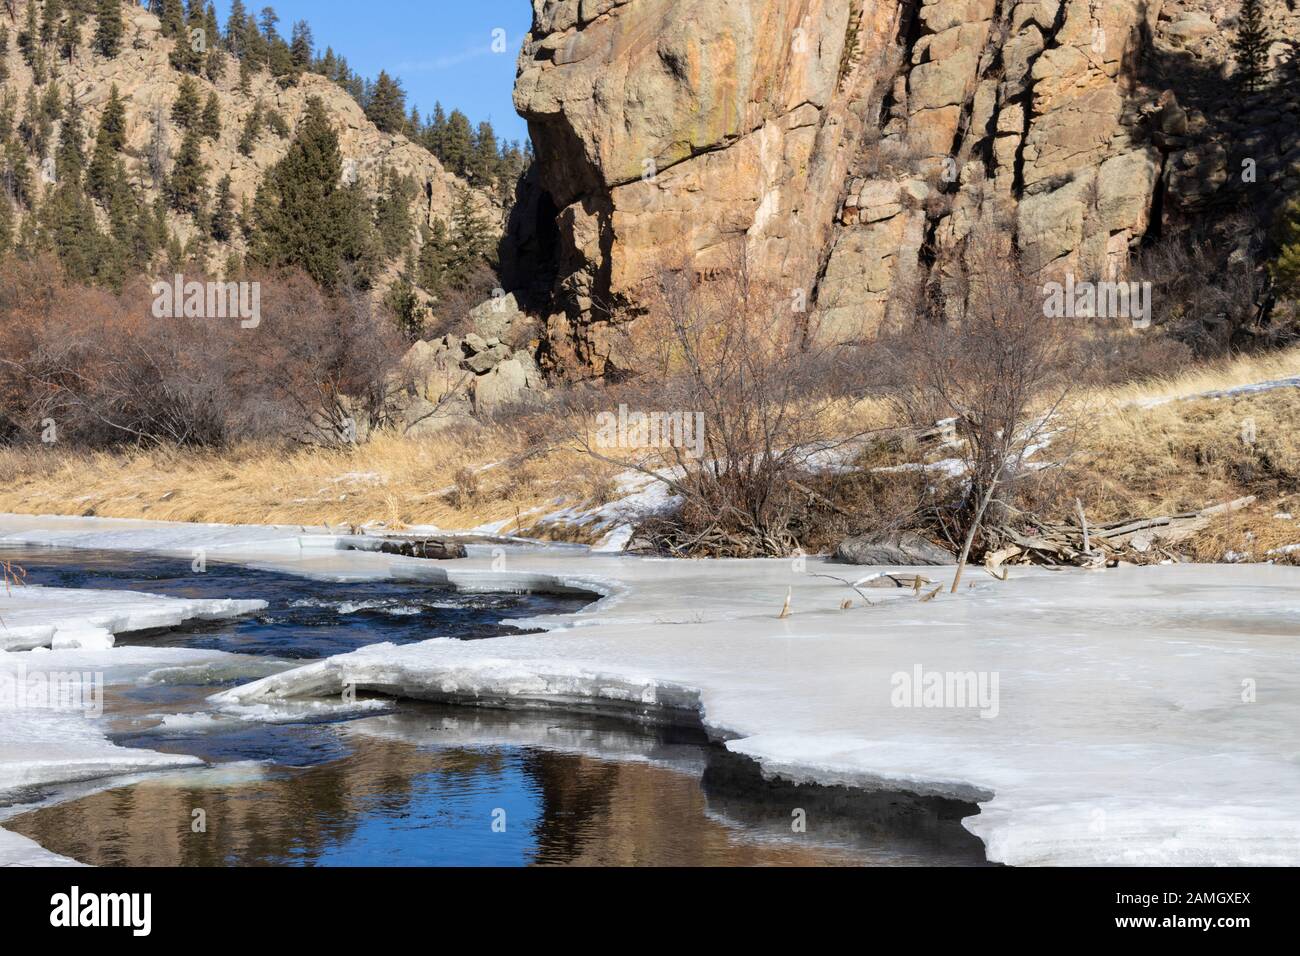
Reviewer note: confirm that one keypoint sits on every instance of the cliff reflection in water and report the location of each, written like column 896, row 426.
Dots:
column 410, row 792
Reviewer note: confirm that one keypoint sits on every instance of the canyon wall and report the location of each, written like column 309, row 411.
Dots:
column 850, row 145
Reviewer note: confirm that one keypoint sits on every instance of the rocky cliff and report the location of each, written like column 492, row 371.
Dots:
column 851, row 144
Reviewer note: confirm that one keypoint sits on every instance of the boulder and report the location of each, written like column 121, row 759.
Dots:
column 421, row 417
column 904, row 548
column 496, row 317
column 433, row 368
column 483, row 360
column 1189, row 28
column 506, row 384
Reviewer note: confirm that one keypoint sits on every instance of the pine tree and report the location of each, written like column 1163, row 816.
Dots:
column 190, row 52
column 69, row 35
column 410, row 314
column 186, row 108
column 222, row 224
column 112, row 122
column 210, row 121
column 1286, row 267
column 32, row 45
column 124, row 221
column 279, row 61
column 277, row 124
column 69, row 221
column 4, row 53
column 431, row 272
column 252, row 129
column 70, row 157
column 485, row 158
column 435, row 134
column 109, row 141
column 302, row 216
column 51, row 17
column 212, row 28
column 108, row 28
column 235, row 28
column 214, row 67
column 6, row 226
column 172, row 15
column 458, row 142
column 254, row 44
column 393, row 213
column 159, row 151
column 267, row 19
column 17, row 176
column 328, row 64
column 186, row 186
column 302, row 46
column 470, row 238
column 1251, row 46
column 386, row 104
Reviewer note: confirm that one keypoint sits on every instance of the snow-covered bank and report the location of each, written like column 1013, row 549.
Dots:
column 32, row 617
column 17, row 850
column 50, row 700
column 1144, row 715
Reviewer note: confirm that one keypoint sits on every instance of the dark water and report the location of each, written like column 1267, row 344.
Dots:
column 412, row 788
column 304, row 619
column 431, row 786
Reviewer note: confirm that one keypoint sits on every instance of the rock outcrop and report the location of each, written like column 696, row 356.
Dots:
column 850, row 145
column 451, row 380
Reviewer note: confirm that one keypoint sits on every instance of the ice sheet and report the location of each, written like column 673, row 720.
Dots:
column 1142, row 715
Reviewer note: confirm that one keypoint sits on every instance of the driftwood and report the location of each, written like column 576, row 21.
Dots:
column 437, row 549
column 1098, row 546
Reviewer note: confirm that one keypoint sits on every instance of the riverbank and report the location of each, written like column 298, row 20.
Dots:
column 1210, row 434
column 1135, row 716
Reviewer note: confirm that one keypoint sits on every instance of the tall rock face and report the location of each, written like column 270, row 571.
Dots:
column 850, row 145
column 670, row 127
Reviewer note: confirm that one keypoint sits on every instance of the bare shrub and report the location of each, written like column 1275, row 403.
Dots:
column 1211, row 296
column 324, row 368
column 105, row 371
column 455, row 302
column 985, row 357
column 737, row 402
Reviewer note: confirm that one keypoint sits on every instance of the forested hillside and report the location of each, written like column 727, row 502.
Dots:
column 137, row 141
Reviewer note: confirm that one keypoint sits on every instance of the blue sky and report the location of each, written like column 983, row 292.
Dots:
column 441, row 49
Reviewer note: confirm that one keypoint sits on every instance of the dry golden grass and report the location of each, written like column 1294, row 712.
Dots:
column 1209, row 377
column 514, row 471
column 1134, row 458
column 1184, row 455
column 452, row 480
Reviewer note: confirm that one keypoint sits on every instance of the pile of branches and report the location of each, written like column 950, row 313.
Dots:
column 1137, row 541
